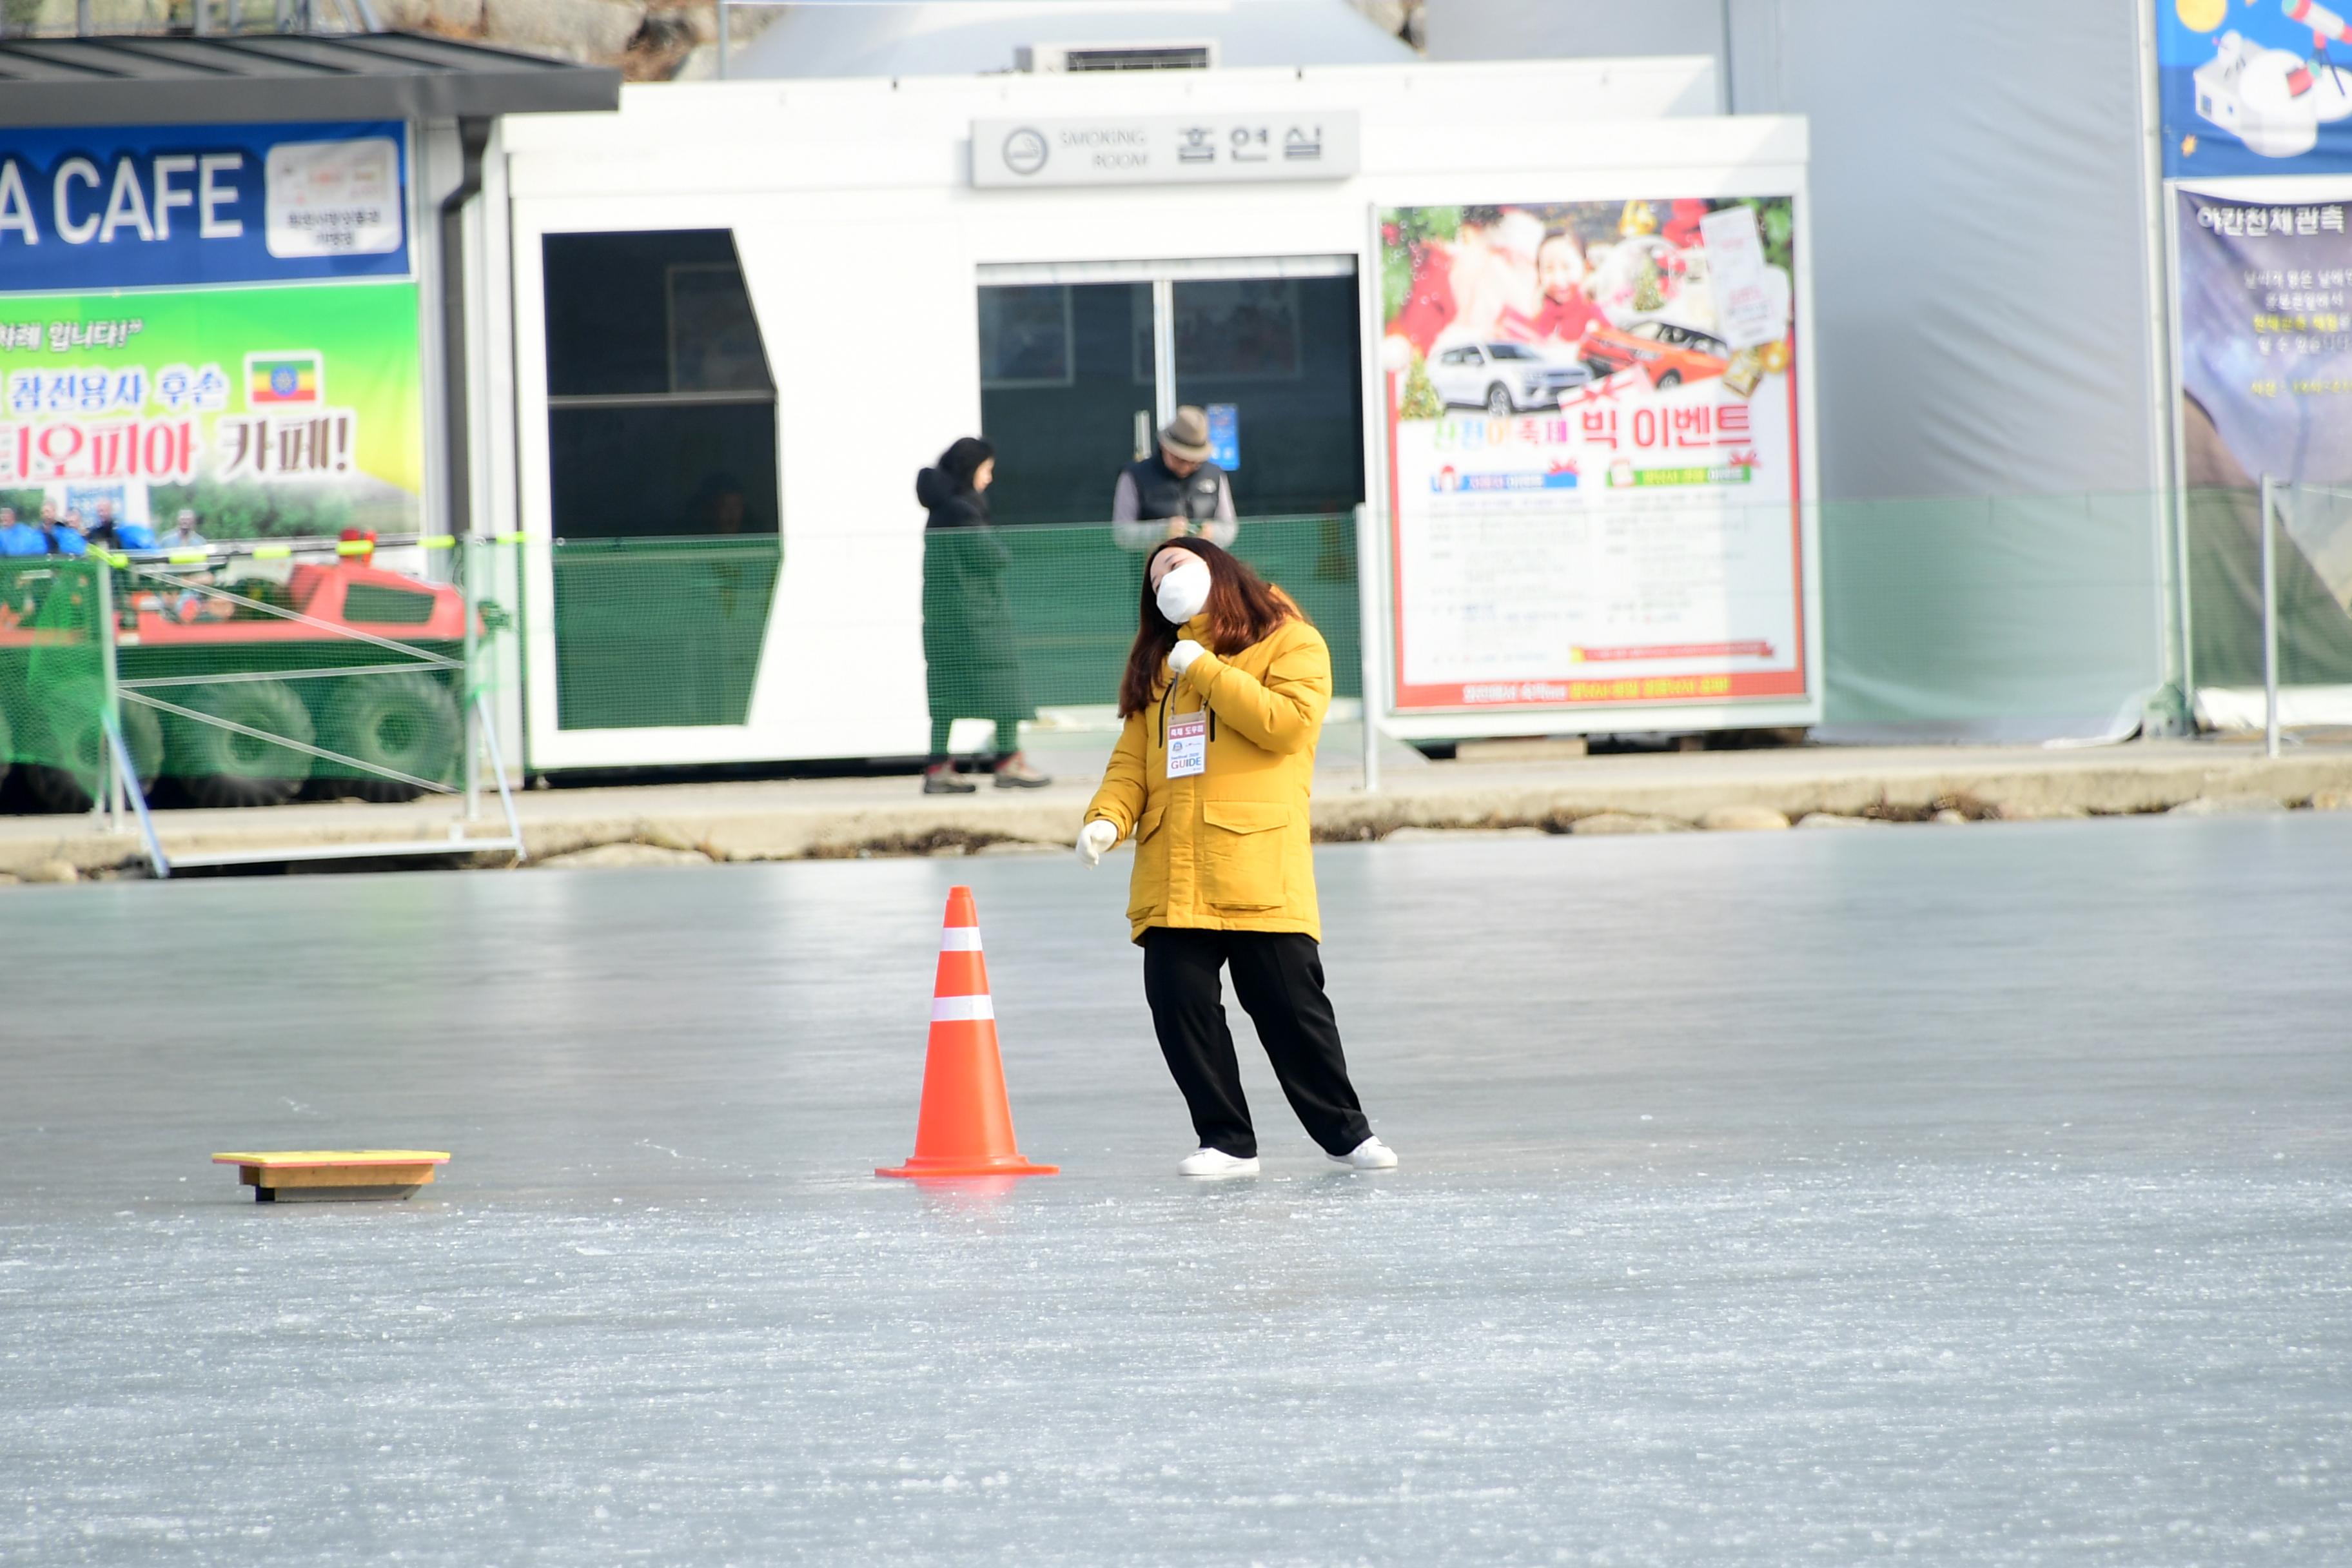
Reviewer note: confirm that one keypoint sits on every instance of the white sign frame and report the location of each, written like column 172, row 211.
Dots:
column 1585, row 717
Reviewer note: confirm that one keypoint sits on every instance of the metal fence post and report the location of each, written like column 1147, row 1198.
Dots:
column 1369, row 640
column 128, row 772
column 470, row 678
column 499, row 774
column 105, row 794
column 2270, row 625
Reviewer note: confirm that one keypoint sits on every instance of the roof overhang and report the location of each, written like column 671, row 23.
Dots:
column 183, row 80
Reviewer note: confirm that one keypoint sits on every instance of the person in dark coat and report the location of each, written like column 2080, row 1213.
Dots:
column 973, row 671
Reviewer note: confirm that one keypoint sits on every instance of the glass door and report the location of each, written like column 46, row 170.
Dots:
column 1067, row 371
column 1276, row 363
column 1081, row 363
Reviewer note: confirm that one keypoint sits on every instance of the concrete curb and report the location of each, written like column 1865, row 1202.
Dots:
column 884, row 818
column 2015, row 793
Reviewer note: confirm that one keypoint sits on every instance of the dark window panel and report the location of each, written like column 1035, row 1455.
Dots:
column 1062, row 416
column 659, row 470
column 649, row 314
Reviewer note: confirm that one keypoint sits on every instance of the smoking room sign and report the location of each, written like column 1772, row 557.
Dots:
column 1165, row 149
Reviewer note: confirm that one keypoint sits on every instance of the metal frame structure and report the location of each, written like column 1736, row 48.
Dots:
column 2274, row 494
column 120, row 783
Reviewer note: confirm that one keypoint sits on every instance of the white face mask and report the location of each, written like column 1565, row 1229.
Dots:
column 1184, row 592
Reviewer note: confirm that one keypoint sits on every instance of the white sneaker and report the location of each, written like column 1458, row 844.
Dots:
column 1217, row 1162
column 1371, row 1154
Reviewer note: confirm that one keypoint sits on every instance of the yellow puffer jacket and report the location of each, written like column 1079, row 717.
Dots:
column 1226, row 849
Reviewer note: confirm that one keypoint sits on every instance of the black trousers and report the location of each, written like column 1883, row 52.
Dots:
column 1278, row 979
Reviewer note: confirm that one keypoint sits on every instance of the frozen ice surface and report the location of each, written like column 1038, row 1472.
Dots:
column 1978, row 1195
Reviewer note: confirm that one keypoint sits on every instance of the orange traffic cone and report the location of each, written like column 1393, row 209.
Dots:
column 966, row 1127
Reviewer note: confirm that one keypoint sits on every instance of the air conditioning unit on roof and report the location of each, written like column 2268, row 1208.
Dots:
column 1180, row 55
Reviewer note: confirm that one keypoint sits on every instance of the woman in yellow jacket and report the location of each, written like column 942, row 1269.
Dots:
column 1224, row 698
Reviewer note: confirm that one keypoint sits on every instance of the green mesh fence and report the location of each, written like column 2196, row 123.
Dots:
column 244, row 675
column 2313, row 565
column 256, row 673
column 1073, row 594
column 660, row 632
column 332, row 677
column 1990, row 607
column 668, row 632
column 52, row 680
column 2029, row 606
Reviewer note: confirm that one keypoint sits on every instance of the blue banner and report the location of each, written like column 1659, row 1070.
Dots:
column 2262, row 87
column 86, row 208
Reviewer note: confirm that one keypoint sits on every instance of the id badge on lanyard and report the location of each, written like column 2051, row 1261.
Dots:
column 1187, row 745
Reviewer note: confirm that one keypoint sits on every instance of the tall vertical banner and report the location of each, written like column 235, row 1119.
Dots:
column 1593, row 454
column 2266, row 337
column 222, row 319
column 2265, row 373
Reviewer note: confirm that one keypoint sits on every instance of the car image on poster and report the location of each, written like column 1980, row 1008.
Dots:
column 1621, row 524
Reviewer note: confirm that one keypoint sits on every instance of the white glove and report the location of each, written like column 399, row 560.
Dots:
column 1094, row 839
column 1181, row 657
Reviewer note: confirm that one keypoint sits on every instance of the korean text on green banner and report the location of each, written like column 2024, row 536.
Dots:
column 221, row 319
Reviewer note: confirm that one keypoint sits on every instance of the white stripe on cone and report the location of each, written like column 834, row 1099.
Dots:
column 958, row 939
column 961, row 1009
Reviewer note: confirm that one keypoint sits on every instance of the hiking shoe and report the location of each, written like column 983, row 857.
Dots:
column 1015, row 773
column 944, row 782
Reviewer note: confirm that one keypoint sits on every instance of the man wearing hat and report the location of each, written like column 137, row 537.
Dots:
column 1175, row 492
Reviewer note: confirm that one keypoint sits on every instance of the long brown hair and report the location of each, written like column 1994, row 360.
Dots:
column 1244, row 608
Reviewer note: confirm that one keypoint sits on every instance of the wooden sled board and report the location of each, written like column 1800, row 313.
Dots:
column 332, row 1175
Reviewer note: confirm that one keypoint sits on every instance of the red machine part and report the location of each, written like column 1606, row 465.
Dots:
column 319, row 593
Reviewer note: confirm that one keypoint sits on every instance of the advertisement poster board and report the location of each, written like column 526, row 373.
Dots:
column 2259, row 87
column 217, row 318
column 1594, row 454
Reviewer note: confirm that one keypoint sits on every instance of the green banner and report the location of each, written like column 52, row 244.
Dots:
column 267, row 411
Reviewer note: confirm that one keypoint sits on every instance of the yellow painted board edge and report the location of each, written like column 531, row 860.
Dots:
column 335, row 1157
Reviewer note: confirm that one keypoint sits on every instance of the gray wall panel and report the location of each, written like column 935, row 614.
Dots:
column 1976, row 218
column 1572, row 29
column 1979, row 236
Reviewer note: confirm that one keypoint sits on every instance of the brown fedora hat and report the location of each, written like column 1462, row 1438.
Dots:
column 1187, row 435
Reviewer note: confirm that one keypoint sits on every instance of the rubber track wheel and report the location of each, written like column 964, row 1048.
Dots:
column 71, row 717
column 406, row 720
column 220, row 767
